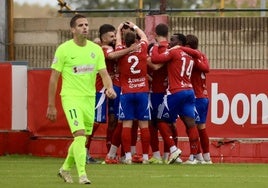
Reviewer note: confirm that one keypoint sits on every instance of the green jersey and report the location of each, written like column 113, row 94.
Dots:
column 78, row 66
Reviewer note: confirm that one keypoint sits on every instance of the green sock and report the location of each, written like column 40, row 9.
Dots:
column 69, row 160
column 80, row 154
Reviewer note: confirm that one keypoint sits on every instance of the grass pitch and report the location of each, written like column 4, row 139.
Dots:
column 41, row 172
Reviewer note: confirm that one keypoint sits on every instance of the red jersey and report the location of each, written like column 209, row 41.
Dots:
column 133, row 70
column 159, row 77
column 179, row 66
column 111, row 68
column 198, row 77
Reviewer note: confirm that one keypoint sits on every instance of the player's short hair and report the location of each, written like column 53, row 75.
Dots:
column 161, row 30
column 181, row 38
column 74, row 18
column 105, row 28
column 130, row 38
column 192, row 41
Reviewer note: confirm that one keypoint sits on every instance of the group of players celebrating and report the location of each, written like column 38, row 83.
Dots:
column 156, row 84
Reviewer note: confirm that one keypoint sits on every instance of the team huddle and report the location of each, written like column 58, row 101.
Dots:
column 148, row 80
column 145, row 86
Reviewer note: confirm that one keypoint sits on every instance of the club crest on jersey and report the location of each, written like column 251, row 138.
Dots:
column 76, row 123
column 92, row 55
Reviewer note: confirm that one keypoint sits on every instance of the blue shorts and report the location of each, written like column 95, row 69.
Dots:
column 156, row 101
column 177, row 104
column 201, row 105
column 134, row 106
column 100, row 107
column 113, row 104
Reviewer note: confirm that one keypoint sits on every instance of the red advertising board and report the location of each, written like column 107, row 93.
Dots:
column 37, row 106
column 238, row 105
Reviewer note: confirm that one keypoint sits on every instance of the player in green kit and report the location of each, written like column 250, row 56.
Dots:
column 78, row 61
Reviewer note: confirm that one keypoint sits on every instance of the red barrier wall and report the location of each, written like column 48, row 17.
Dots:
column 238, row 106
column 5, row 96
column 37, row 106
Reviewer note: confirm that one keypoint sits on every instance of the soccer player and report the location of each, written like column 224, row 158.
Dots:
column 159, row 85
column 77, row 61
column 134, row 98
column 198, row 80
column 107, row 41
column 180, row 99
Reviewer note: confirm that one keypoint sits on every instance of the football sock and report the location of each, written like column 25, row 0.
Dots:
column 166, row 133
column 133, row 150
column 154, row 138
column 174, row 134
column 69, row 160
column 126, row 138
column 157, row 155
column 80, row 154
column 134, row 133
column 194, row 140
column 206, row 156
column 199, row 157
column 204, row 140
column 145, row 157
column 145, row 140
column 165, row 156
column 116, row 139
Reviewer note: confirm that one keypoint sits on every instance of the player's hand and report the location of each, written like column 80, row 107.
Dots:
column 135, row 47
column 51, row 113
column 110, row 93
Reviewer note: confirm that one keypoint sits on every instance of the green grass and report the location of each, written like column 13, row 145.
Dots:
column 40, row 172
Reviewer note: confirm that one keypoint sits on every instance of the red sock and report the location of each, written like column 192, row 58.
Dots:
column 194, row 140
column 154, row 138
column 134, row 133
column 166, row 148
column 116, row 139
column 166, row 133
column 126, row 139
column 145, row 140
column 174, row 134
column 109, row 135
column 204, row 140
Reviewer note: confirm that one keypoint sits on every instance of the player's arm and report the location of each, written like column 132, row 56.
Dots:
column 119, row 35
column 119, row 53
column 107, row 82
column 152, row 65
column 140, row 32
column 191, row 52
column 202, row 64
column 158, row 58
column 52, row 88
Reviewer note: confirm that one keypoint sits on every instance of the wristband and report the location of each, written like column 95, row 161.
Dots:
column 135, row 27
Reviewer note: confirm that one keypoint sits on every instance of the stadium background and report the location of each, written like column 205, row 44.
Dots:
column 236, row 47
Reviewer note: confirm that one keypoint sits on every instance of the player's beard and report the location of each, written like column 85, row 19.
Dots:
column 112, row 44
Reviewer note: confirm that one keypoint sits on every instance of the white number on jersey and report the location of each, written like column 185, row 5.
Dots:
column 135, row 61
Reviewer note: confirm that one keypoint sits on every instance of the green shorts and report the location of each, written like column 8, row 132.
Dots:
column 79, row 112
